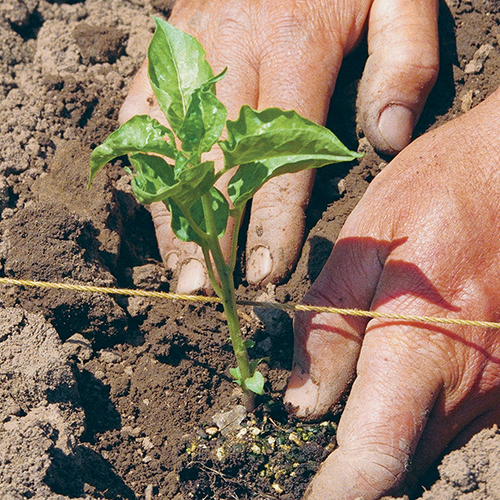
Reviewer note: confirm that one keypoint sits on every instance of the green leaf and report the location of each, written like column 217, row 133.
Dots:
column 272, row 142
column 181, row 163
column 255, row 383
column 249, row 343
column 202, row 126
column 194, row 182
column 139, row 134
column 209, row 85
column 275, row 133
column 246, row 181
column 182, row 227
column 176, row 68
column 254, row 363
column 155, row 180
column 236, row 374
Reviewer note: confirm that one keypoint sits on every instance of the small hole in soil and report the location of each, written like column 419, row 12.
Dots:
column 29, row 30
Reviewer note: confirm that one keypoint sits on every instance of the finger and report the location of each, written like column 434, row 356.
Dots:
column 140, row 99
column 400, row 71
column 296, row 71
column 276, row 227
column 140, row 92
column 186, row 258
column 237, row 88
column 227, row 38
column 326, row 346
column 225, row 48
column 383, row 420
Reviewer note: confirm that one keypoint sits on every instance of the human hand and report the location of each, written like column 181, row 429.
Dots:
column 287, row 53
column 423, row 241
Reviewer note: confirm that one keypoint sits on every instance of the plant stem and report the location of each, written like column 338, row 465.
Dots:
column 210, row 269
column 240, row 350
column 228, row 297
column 234, row 244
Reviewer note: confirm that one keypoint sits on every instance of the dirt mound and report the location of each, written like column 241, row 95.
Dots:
column 108, row 397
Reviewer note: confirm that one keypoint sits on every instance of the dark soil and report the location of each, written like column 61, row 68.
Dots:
column 122, row 397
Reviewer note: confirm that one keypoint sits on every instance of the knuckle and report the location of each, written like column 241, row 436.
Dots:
column 382, row 469
column 387, row 470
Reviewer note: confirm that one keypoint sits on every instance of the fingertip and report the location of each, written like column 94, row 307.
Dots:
column 302, row 395
column 326, row 348
column 359, row 474
column 388, row 118
column 395, row 126
column 259, row 265
column 273, row 245
column 184, row 258
column 276, row 227
column 400, row 72
column 389, row 105
column 192, row 277
column 326, row 345
column 317, row 380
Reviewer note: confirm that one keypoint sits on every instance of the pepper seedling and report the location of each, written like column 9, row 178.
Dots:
column 168, row 165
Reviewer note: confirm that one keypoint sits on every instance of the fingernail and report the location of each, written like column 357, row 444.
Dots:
column 396, row 126
column 302, row 393
column 259, row 264
column 171, row 260
column 192, row 277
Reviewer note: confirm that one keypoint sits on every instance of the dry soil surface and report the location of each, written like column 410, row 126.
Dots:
column 125, row 398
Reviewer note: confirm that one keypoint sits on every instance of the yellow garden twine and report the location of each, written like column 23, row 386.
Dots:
column 271, row 305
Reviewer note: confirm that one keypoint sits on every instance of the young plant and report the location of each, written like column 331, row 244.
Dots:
column 168, row 164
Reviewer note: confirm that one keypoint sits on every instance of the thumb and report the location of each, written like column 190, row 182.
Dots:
column 327, row 346
column 400, row 72
column 385, row 415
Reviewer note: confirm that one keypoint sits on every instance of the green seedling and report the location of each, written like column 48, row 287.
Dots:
column 168, row 164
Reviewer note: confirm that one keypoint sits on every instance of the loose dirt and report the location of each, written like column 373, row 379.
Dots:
column 128, row 398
